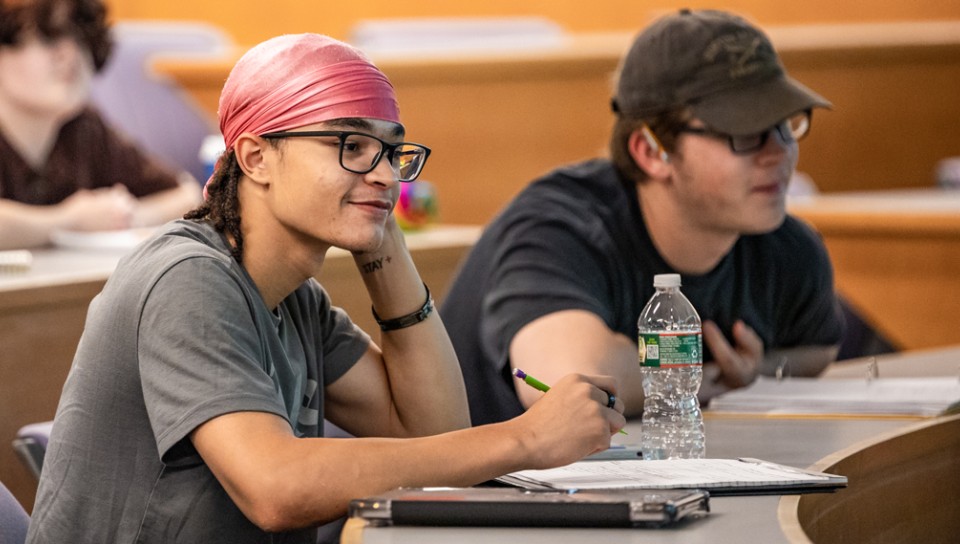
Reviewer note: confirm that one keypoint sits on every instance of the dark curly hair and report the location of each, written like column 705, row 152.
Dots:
column 86, row 20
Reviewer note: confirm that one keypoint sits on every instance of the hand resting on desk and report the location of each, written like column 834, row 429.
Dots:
column 739, row 365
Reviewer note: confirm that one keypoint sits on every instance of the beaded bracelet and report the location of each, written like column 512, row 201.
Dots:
column 406, row 320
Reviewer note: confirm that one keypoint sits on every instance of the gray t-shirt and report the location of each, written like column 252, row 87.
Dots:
column 178, row 336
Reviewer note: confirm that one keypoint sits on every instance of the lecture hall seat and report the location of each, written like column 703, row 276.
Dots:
column 13, row 518
column 31, row 445
column 150, row 109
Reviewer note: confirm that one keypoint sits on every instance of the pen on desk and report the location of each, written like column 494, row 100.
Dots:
column 538, row 385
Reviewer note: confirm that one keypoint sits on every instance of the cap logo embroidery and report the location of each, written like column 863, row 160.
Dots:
column 738, row 52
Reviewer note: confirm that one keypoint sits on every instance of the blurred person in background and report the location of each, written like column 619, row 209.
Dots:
column 704, row 145
column 61, row 165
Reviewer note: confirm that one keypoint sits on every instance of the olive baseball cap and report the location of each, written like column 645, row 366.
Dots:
column 717, row 64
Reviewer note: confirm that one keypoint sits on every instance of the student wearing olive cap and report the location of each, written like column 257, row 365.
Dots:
column 195, row 405
column 704, row 145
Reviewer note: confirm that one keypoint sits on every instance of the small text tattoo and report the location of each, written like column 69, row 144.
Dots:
column 375, row 265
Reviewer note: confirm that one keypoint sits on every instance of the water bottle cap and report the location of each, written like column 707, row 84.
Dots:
column 666, row 280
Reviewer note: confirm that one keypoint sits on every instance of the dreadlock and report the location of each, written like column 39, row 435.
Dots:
column 221, row 208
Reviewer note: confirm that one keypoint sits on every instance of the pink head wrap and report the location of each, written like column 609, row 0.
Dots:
column 301, row 79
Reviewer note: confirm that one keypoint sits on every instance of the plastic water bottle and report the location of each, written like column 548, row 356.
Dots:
column 671, row 359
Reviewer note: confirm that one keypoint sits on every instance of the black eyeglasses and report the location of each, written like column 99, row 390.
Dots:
column 791, row 129
column 360, row 152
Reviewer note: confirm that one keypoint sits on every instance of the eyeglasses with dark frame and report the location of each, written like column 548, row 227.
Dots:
column 361, row 152
column 791, row 129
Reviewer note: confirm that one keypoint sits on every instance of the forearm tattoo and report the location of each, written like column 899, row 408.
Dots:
column 375, row 265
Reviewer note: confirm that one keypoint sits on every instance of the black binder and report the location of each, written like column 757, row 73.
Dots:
column 510, row 507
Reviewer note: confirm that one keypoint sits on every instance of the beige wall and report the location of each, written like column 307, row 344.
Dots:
column 251, row 22
column 895, row 114
column 893, row 88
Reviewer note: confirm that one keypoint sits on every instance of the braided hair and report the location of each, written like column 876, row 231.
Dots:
column 221, row 208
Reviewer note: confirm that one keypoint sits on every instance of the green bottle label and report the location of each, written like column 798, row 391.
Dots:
column 670, row 349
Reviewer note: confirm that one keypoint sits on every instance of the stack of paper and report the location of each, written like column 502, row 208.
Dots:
column 880, row 396
column 15, row 260
column 719, row 476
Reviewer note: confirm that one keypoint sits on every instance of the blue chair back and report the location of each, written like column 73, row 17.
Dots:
column 152, row 110
column 13, row 518
column 31, row 445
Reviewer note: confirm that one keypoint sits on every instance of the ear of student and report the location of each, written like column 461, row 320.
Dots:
column 648, row 155
column 249, row 150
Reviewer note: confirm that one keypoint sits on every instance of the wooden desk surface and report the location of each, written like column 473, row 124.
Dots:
column 896, row 257
column 903, row 487
column 42, row 312
column 917, row 212
column 245, row 21
column 917, row 363
column 800, row 442
column 794, row 442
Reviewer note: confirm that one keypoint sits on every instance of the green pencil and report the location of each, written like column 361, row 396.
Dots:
column 538, row 385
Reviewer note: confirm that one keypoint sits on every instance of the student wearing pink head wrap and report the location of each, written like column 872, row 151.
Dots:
column 195, row 408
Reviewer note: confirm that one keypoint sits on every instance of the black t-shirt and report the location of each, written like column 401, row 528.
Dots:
column 576, row 239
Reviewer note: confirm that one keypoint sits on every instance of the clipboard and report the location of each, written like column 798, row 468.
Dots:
column 512, row 507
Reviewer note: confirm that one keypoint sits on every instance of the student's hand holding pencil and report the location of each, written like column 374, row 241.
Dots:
column 575, row 418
